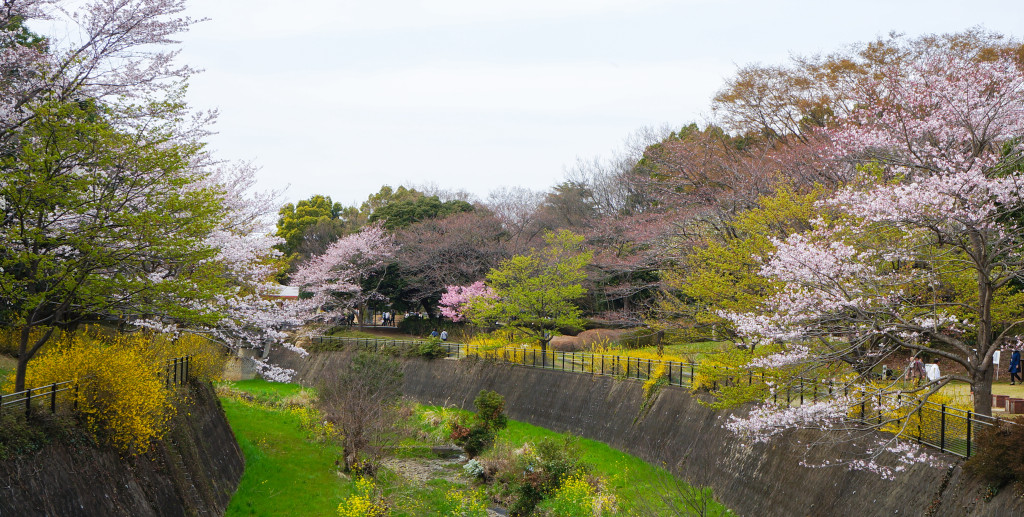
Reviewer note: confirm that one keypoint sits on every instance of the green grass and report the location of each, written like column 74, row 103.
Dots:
column 354, row 332
column 7, row 366
column 266, row 391
column 285, row 474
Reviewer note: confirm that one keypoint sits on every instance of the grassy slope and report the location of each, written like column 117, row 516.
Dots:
column 287, row 475
column 284, row 473
column 635, row 482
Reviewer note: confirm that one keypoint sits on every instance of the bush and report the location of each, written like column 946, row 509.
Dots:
column 432, row 349
column 473, row 469
column 122, row 398
column 463, row 504
column 361, row 400
column 554, row 461
column 490, row 409
column 366, row 502
column 208, row 357
column 490, row 418
column 19, row 437
column 999, row 459
column 573, row 498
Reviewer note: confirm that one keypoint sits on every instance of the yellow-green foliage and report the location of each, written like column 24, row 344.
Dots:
column 656, row 379
column 462, row 503
column 496, row 339
column 577, row 497
column 905, row 420
column 725, row 275
column 121, row 397
column 732, row 381
column 208, row 357
column 312, row 420
column 366, row 502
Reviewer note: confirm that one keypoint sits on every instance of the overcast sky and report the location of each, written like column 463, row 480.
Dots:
column 340, row 97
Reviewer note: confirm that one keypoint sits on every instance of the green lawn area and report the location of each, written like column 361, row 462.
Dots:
column 288, row 473
column 285, row 473
column 7, row 366
column 373, row 333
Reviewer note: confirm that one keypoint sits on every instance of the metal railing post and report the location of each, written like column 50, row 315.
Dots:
column 968, row 434
column 28, row 402
column 942, row 429
column 53, row 398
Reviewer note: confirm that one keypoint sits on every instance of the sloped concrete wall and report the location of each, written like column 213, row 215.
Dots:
column 194, row 470
column 687, row 437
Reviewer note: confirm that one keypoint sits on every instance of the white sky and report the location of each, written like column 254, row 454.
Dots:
column 340, row 97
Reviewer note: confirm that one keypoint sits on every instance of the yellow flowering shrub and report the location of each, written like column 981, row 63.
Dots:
column 366, row 502
column 460, row 503
column 656, row 380
column 122, row 399
column 313, row 421
column 577, row 497
column 907, row 422
column 208, row 357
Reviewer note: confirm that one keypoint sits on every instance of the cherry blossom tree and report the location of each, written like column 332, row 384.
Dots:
column 922, row 249
column 110, row 207
column 336, row 280
column 456, row 299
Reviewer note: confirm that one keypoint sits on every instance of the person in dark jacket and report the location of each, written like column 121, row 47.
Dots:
column 1015, row 367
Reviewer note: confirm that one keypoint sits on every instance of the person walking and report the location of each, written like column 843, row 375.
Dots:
column 1015, row 367
column 915, row 370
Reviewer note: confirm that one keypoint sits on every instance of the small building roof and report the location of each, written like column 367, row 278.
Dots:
column 284, row 291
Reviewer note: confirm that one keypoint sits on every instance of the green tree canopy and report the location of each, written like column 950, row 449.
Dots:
column 724, row 275
column 296, row 219
column 101, row 220
column 537, row 293
column 405, row 212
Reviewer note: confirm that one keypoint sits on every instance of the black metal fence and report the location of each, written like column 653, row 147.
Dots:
column 946, row 428
column 64, row 395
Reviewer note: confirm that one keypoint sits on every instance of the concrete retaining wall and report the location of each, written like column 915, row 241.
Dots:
column 194, row 470
column 679, row 432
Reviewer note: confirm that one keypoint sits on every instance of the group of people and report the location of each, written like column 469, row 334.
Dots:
column 443, row 335
column 387, row 319
column 917, row 370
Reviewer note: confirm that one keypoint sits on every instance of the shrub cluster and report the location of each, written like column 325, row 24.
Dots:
column 122, row 398
column 432, row 349
column 490, row 418
column 999, row 459
column 528, row 475
column 366, row 502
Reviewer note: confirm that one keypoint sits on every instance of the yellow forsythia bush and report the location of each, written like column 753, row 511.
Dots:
column 122, row 398
column 208, row 357
column 366, row 502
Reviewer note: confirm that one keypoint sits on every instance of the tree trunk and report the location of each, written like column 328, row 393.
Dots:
column 981, row 387
column 981, row 377
column 544, row 350
column 23, row 357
